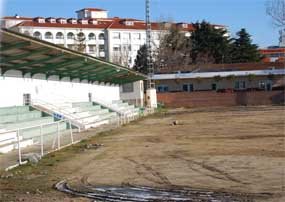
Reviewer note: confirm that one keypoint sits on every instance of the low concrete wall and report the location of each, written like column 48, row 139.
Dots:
column 209, row 98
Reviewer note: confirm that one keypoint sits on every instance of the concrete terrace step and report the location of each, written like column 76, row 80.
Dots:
column 91, row 113
column 82, row 104
column 14, row 145
column 98, row 118
column 28, row 123
column 13, row 110
column 82, row 109
column 48, row 129
column 20, row 117
column 7, row 136
column 117, row 101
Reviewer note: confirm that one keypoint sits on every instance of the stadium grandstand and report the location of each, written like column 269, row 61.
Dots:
column 48, row 89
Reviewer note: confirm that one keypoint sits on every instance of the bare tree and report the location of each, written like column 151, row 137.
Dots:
column 174, row 49
column 276, row 9
column 121, row 56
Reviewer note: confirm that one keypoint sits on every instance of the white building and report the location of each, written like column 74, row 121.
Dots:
column 113, row 39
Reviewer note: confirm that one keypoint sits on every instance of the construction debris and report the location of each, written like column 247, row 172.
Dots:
column 93, row 146
column 31, row 157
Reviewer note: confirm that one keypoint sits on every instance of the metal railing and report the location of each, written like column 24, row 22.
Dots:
column 51, row 109
column 56, row 139
column 124, row 114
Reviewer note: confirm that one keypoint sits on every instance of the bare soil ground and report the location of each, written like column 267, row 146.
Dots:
column 237, row 150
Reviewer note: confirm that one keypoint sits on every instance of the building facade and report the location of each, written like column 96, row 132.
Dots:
column 243, row 77
column 93, row 32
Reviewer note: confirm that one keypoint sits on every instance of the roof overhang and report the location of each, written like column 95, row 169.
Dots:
column 33, row 56
column 215, row 74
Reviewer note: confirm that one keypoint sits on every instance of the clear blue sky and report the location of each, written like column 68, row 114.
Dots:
column 235, row 14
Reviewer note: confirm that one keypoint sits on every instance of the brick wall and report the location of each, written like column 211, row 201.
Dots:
column 206, row 99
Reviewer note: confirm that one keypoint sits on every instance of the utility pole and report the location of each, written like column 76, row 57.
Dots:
column 151, row 91
column 150, row 68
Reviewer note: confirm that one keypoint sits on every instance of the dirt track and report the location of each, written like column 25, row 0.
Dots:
column 238, row 150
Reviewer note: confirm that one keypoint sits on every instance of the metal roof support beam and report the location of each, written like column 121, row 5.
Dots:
column 55, row 65
column 111, row 73
column 17, row 66
column 98, row 70
column 99, row 77
column 120, row 75
column 84, row 67
column 5, row 47
column 104, row 71
column 24, row 55
column 130, row 80
column 51, row 57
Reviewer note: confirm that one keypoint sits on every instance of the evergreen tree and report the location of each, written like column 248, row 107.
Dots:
column 141, row 60
column 209, row 44
column 243, row 50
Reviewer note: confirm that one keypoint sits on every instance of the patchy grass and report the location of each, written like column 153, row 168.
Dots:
column 239, row 149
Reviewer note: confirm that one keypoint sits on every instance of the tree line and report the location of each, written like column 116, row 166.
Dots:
column 206, row 44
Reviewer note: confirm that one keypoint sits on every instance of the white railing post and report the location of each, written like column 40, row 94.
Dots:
column 19, row 147
column 58, row 136
column 42, row 140
column 71, row 132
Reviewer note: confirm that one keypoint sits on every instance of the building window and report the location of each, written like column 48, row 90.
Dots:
column 129, row 23
column 188, row 87
column 162, row 88
column 27, row 33
column 116, row 48
column 37, row 35
column 91, row 36
column 92, row 48
column 126, row 47
column 137, row 36
column 265, row 85
column 81, row 36
column 116, row 35
column 101, row 36
column 126, row 35
column 48, row 35
column 59, row 35
column 214, row 86
column 128, row 87
column 101, row 48
column 240, row 85
column 136, row 48
column 70, row 35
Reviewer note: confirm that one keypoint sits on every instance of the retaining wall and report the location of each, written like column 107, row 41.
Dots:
column 211, row 98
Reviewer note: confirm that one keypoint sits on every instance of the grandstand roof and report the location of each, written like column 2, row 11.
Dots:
column 33, row 56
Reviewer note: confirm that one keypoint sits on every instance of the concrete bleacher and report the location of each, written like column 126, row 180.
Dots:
column 85, row 115
column 125, row 108
column 88, row 114
column 24, row 118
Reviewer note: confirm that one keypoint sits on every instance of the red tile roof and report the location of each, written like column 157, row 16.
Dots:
column 92, row 9
column 67, row 25
column 111, row 23
column 223, row 67
column 273, row 50
column 17, row 18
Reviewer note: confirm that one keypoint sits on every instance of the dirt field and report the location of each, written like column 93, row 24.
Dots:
column 237, row 150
